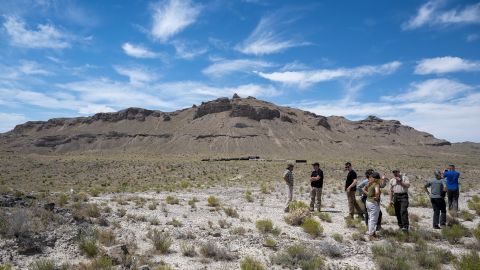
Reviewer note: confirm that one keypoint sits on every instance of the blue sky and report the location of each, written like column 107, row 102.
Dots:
column 415, row 61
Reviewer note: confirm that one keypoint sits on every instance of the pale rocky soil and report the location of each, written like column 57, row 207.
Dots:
column 132, row 228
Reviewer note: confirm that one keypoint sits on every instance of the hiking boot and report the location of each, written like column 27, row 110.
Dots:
column 311, row 209
column 436, row 227
column 285, row 210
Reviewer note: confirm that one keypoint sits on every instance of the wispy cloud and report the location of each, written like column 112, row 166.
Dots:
column 269, row 37
column 136, row 75
column 9, row 120
column 224, row 67
column 430, row 14
column 138, row 51
column 303, row 79
column 445, row 64
column 187, row 51
column 433, row 90
column 45, row 36
column 171, row 17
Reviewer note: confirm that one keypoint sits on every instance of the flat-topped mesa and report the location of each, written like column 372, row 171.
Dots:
column 133, row 113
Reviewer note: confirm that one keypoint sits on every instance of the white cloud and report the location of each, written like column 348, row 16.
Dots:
column 224, row 67
column 32, row 68
column 172, row 16
column 186, row 51
column 445, row 64
column 45, row 36
column 138, row 51
column 9, row 120
column 267, row 38
column 430, row 14
column 472, row 37
column 433, row 90
column 307, row 78
column 136, row 75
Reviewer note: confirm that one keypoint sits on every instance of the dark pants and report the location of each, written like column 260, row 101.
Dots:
column 453, row 199
column 379, row 221
column 400, row 202
column 439, row 211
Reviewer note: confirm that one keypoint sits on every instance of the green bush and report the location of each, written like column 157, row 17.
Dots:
column 454, row 233
column 474, row 204
column 312, row 227
column 62, row 200
column 298, row 205
column 248, row 196
column 171, row 200
column 249, row 263
column 325, row 217
column 298, row 212
column 42, row 264
column 338, row 237
column 88, row 246
column 213, row 201
column 6, row 266
column 231, row 212
column 188, row 250
column 467, row 216
column 421, row 200
column 476, row 232
column 264, row 225
column 298, row 256
column 161, row 240
column 270, row 243
column 390, row 210
column 102, row 263
column 469, row 261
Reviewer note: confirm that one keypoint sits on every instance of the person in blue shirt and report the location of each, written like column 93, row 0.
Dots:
column 453, row 190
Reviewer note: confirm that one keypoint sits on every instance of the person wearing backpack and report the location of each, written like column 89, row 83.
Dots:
column 437, row 196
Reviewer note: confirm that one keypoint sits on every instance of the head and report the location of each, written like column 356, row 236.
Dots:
column 451, row 167
column 396, row 173
column 368, row 173
column 316, row 166
column 374, row 177
column 438, row 175
column 348, row 166
column 290, row 166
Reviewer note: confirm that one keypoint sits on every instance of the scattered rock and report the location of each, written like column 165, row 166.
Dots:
column 144, row 267
column 49, row 206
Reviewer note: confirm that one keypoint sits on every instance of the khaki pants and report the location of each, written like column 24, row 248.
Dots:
column 316, row 198
column 352, row 203
column 289, row 196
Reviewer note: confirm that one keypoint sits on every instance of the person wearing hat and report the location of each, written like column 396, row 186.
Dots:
column 437, row 188
column 372, row 189
column 288, row 177
column 316, row 182
column 399, row 185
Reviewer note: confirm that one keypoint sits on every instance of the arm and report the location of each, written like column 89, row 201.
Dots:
column 405, row 182
column 354, row 183
column 426, row 188
column 390, row 192
column 364, row 189
column 377, row 193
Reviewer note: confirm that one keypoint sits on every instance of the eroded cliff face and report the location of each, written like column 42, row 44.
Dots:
column 236, row 125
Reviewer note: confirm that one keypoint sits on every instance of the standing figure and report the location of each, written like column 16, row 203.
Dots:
column 288, row 177
column 399, row 185
column 453, row 188
column 372, row 189
column 351, row 188
column 316, row 181
column 437, row 187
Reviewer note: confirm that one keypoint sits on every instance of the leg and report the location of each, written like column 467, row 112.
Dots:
column 455, row 195
column 443, row 212
column 450, row 198
column 355, row 204
column 436, row 212
column 312, row 198
column 376, row 214
column 396, row 205
column 318, row 203
column 289, row 196
column 404, row 212
column 379, row 220
column 364, row 200
column 351, row 208
column 371, row 220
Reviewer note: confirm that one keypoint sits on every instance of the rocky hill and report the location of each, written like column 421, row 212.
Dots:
column 219, row 127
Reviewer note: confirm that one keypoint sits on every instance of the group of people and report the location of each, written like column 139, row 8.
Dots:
column 444, row 184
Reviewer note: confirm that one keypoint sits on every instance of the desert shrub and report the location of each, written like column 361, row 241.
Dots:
column 312, row 226
column 356, row 223
column 192, row 202
column 231, row 212
column 101, row 263
column 421, row 200
column 390, row 209
column 80, row 197
column 92, row 210
column 238, row 231
column 105, row 236
column 297, row 205
column 476, row 232
column 332, row 250
column 264, row 188
column 224, row 224
column 94, row 192
column 298, row 256
column 175, row 223
column 249, row 263
column 172, row 200
column 325, row 217
column 161, row 240
column 248, row 196
column 188, row 250
column 211, row 250
column 213, row 201
column 453, row 233
column 88, row 246
column 42, row 264
column 152, row 206
column 270, row 243
column 467, row 216
column 264, row 225
column 474, row 204
column 297, row 215
column 469, row 261
column 338, row 237
column 121, row 212
column 6, row 266
column 62, row 199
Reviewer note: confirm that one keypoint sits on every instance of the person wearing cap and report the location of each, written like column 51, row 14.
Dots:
column 437, row 187
column 288, row 177
column 351, row 188
column 316, row 182
column 453, row 188
column 372, row 189
column 399, row 185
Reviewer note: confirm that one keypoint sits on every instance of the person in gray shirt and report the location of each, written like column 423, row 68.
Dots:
column 437, row 187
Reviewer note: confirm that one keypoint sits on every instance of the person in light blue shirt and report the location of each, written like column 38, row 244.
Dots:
column 453, row 187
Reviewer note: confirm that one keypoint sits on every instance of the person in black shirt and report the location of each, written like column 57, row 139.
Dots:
column 316, row 181
column 351, row 188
